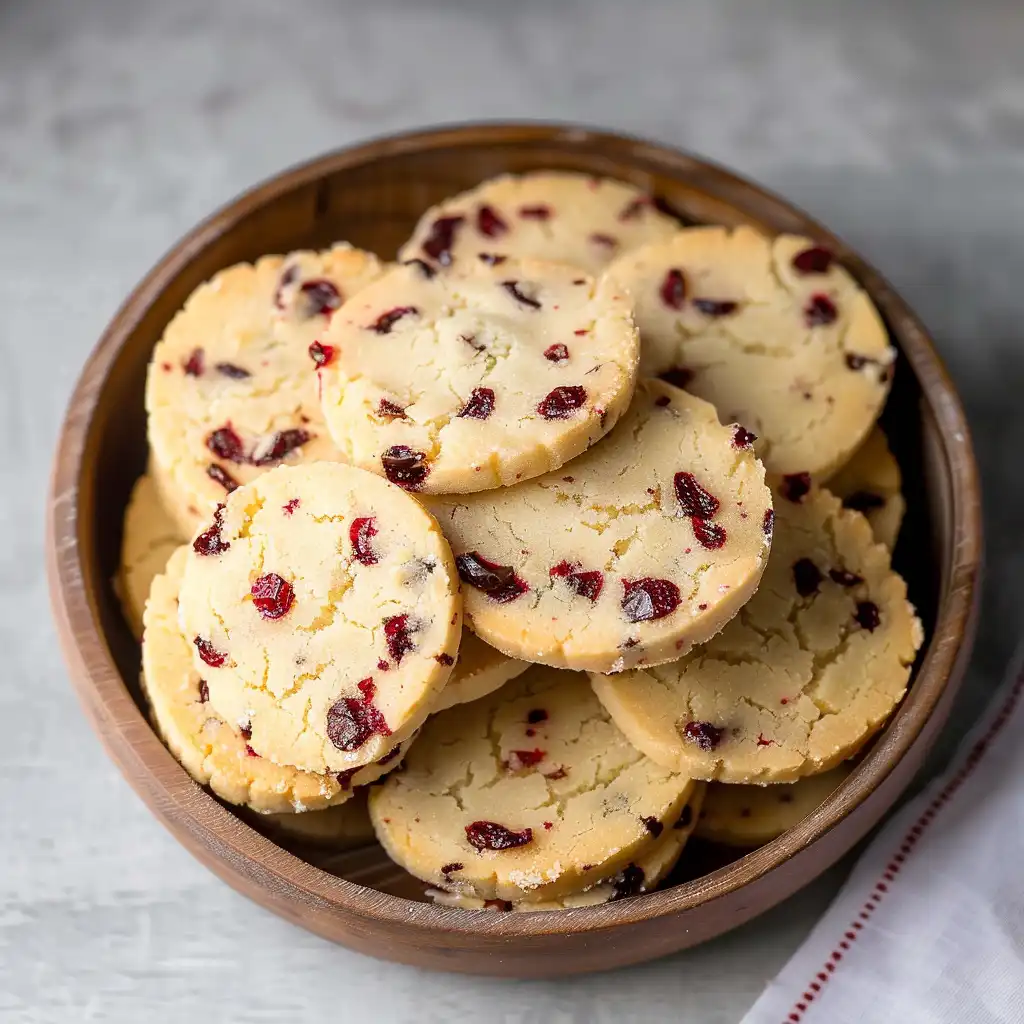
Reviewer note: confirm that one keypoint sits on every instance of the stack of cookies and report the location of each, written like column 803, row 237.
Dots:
column 505, row 551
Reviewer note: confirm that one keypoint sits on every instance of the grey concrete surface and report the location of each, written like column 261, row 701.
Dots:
column 900, row 124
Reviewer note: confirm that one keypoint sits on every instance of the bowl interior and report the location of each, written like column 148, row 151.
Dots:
column 374, row 203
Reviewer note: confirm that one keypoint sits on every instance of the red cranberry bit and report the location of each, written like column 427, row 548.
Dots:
column 405, row 467
column 321, row 354
column 535, row 212
column 704, row 734
column 444, row 659
column 685, row 818
column 605, row 241
column 424, row 268
column 694, row 500
column 742, row 438
column 716, row 307
column 491, row 259
column 815, row 260
column 218, row 474
column 232, row 371
column 768, row 523
column 845, row 578
column 290, row 506
column 246, row 731
column 397, row 636
column 863, row 501
column 351, row 721
column 210, row 655
column 634, row 208
column 367, row 687
column 204, row 691
column 384, row 323
column 653, row 826
column 447, row 869
column 562, row 402
column 498, row 582
column 556, row 353
column 390, row 410
column 820, row 311
column 796, row 486
column 867, row 615
column 194, row 365
column 586, row 584
column 344, row 778
column 359, row 533
column 806, row 577
column 629, row 882
column 559, row 773
column 321, row 297
column 272, row 595
column 383, row 666
column 489, row 223
column 249, row 752
column 520, row 759
column 210, row 542
column 282, row 443
column 678, row 377
column 480, row 404
column 512, row 287
column 489, row 835
column 536, row 715
column 226, row 444
column 439, row 242
column 648, row 598
column 711, row 535
column 673, row 289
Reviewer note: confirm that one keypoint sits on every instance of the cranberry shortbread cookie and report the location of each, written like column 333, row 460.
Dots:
column 871, row 483
column 215, row 753
column 479, row 670
column 550, row 215
column 232, row 386
column 324, row 612
column 529, row 794
column 773, row 332
column 645, row 545
column 477, row 376
column 810, row 668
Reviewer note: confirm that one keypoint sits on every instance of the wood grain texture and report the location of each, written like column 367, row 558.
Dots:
column 372, row 195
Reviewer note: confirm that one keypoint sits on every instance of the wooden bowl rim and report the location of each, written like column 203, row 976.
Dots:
column 131, row 741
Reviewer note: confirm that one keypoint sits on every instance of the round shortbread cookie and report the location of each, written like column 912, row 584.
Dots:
column 324, row 611
column 549, row 215
column 531, row 793
column 645, row 545
column 149, row 537
column 478, row 376
column 341, row 827
column 643, row 876
column 232, row 384
column 749, row 816
column 871, row 483
column 810, row 668
column 213, row 752
column 774, row 333
column 479, row 670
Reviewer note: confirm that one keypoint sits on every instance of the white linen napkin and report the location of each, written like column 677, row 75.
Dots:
column 929, row 927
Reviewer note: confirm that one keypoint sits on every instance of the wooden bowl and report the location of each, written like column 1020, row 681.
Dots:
column 372, row 195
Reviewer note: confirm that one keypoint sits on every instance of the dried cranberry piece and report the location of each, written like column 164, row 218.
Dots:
column 232, row 371
column 480, row 404
column 321, row 296
column 351, row 721
column 489, row 835
column 386, row 321
column 648, row 598
column 359, row 533
column 204, row 691
column 218, row 474
column 498, row 582
column 653, row 826
column 438, row 243
column 815, row 260
column 245, row 731
column 539, row 212
column 863, row 501
column 320, row 353
column 628, row 882
column 557, row 353
column 857, row 362
column 768, row 523
column 559, row 773
column 845, row 578
column 424, row 268
column 444, row 659
column 711, row 535
column 605, row 241
column 210, row 542
column 512, row 287
column 280, row 444
column 491, row 259
column 673, row 289
column 489, row 223
column 405, row 467
column 536, row 715
column 193, row 366
column 562, row 402
column 678, row 377
column 685, row 819
column 226, row 444
column 344, row 778
column 272, row 595
column 716, row 307
column 806, row 577
column 520, row 759
column 704, row 734
column 743, row 438
column 867, row 615
column 694, row 500
column 586, row 584
column 447, row 869
column 210, row 655
column 796, row 486
column 390, row 410
column 820, row 311
column 397, row 635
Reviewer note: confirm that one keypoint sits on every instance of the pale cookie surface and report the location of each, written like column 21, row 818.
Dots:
column 776, row 334
column 150, row 536
column 871, row 483
column 648, row 543
column 477, row 376
column 531, row 793
column 809, row 669
column 479, row 670
column 550, row 215
column 232, row 385
column 643, row 876
column 753, row 815
column 213, row 752
column 324, row 612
